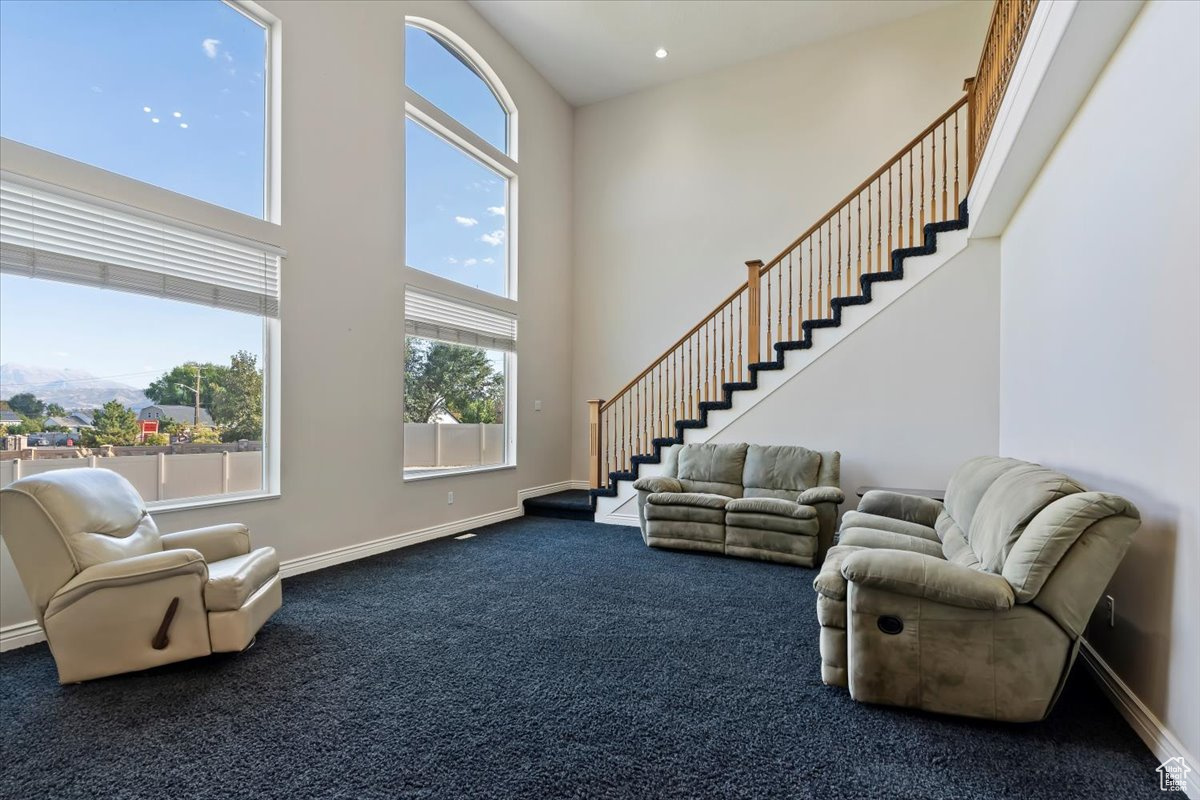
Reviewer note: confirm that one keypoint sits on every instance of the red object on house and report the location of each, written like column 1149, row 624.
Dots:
column 149, row 426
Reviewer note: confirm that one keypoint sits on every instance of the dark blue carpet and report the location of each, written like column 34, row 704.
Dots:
column 541, row 659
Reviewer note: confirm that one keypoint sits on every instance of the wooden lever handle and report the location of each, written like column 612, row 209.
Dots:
column 160, row 639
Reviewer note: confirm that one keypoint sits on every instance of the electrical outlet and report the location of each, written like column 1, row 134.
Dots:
column 1111, row 605
column 449, row 498
column 537, row 405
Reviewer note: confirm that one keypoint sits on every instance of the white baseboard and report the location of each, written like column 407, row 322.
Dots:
column 340, row 555
column 628, row 520
column 23, row 634
column 550, row 488
column 1149, row 728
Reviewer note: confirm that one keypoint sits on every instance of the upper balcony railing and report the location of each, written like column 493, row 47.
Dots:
column 923, row 183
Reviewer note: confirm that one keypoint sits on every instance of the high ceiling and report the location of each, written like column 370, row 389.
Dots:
column 592, row 50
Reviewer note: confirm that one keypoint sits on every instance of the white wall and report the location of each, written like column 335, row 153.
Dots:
column 677, row 186
column 907, row 397
column 1100, row 341
column 343, row 342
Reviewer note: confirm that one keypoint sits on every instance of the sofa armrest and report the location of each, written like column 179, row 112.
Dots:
column 821, row 494
column 215, row 543
column 907, row 507
column 929, row 578
column 128, row 571
column 660, row 483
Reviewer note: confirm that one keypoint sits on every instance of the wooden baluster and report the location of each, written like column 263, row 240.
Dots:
column 689, row 379
column 729, row 353
column 706, row 368
column 829, row 267
column 810, row 281
column 779, row 312
column 740, row 348
column 900, row 202
column 912, row 242
column 945, row 196
column 839, row 253
column 723, row 350
column 933, row 217
column 870, row 234
column 767, row 319
column 821, row 293
column 858, row 244
column 753, row 312
column 879, row 223
column 956, row 200
column 790, row 295
column 969, row 86
column 922, row 225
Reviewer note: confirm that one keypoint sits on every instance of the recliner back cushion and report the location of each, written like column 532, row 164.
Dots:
column 100, row 515
column 1007, row 507
column 780, row 471
column 969, row 483
column 1056, row 529
column 712, row 468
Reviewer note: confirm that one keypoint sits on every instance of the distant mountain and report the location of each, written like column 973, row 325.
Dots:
column 72, row 389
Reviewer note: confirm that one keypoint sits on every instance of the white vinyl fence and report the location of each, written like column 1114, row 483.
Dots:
column 436, row 444
column 162, row 476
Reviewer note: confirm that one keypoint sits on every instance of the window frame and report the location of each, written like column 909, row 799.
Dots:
column 114, row 188
column 454, row 133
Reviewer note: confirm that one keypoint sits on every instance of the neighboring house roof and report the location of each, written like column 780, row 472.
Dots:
column 9, row 416
column 81, row 418
column 71, row 421
column 185, row 415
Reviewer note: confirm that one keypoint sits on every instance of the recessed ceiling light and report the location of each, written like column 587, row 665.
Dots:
column 154, row 120
column 146, row 109
column 183, row 124
column 660, row 52
column 176, row 114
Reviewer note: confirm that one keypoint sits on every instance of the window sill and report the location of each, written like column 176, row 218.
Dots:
column 451, row 473
column 188, row 504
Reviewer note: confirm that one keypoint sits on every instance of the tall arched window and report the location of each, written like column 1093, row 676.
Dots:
column 460, row 310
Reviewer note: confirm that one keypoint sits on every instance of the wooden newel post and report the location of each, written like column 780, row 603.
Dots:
column 969, row 88
column 594, row 466
column 753, row 311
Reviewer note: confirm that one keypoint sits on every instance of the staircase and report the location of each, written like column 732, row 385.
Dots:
column 895, row 214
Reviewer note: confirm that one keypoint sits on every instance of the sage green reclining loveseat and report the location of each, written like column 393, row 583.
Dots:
column 975, row 606
column 776, row 503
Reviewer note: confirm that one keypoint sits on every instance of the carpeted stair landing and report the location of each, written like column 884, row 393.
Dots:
column 541, row 659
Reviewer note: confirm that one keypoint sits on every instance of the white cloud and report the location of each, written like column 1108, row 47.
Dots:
column 210, row 47
column 466, row 222
column 495, row 238
column 451, row 260
column 496, row 211
column 489, row 260
column 227, row 56
column 470, row 262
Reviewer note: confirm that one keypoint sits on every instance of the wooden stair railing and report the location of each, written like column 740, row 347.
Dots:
column 803, row 288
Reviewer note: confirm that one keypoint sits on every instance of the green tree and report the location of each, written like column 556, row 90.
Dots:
column 30, row 425
column 26, row 405
column 172, row 389
column 55, row 410
column 202, row 434
column 237, row 405
column 114, row 424
column 454, row 379
column 156, row 439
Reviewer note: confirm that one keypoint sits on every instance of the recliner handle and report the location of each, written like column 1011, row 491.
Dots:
column 161, row 640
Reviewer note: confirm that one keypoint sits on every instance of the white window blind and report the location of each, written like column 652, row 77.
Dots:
column 433, row 316
column 59, row 235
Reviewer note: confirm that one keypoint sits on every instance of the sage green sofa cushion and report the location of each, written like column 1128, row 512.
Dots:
column 779, row 471
column 773, row 522
column 770, row 505
column 1007, row 507
column 712, row 468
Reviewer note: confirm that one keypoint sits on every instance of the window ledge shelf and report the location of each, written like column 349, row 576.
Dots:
column 452, row 473
column 167, row 506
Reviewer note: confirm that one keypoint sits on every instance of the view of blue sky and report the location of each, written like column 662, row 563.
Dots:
column 456, row 207
column 173, row 93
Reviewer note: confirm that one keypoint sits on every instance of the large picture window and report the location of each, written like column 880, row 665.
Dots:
column 134, row 343
column 460, row 347
column 170, row 93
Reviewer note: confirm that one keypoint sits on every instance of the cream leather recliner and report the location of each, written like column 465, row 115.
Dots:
column 112, row 594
